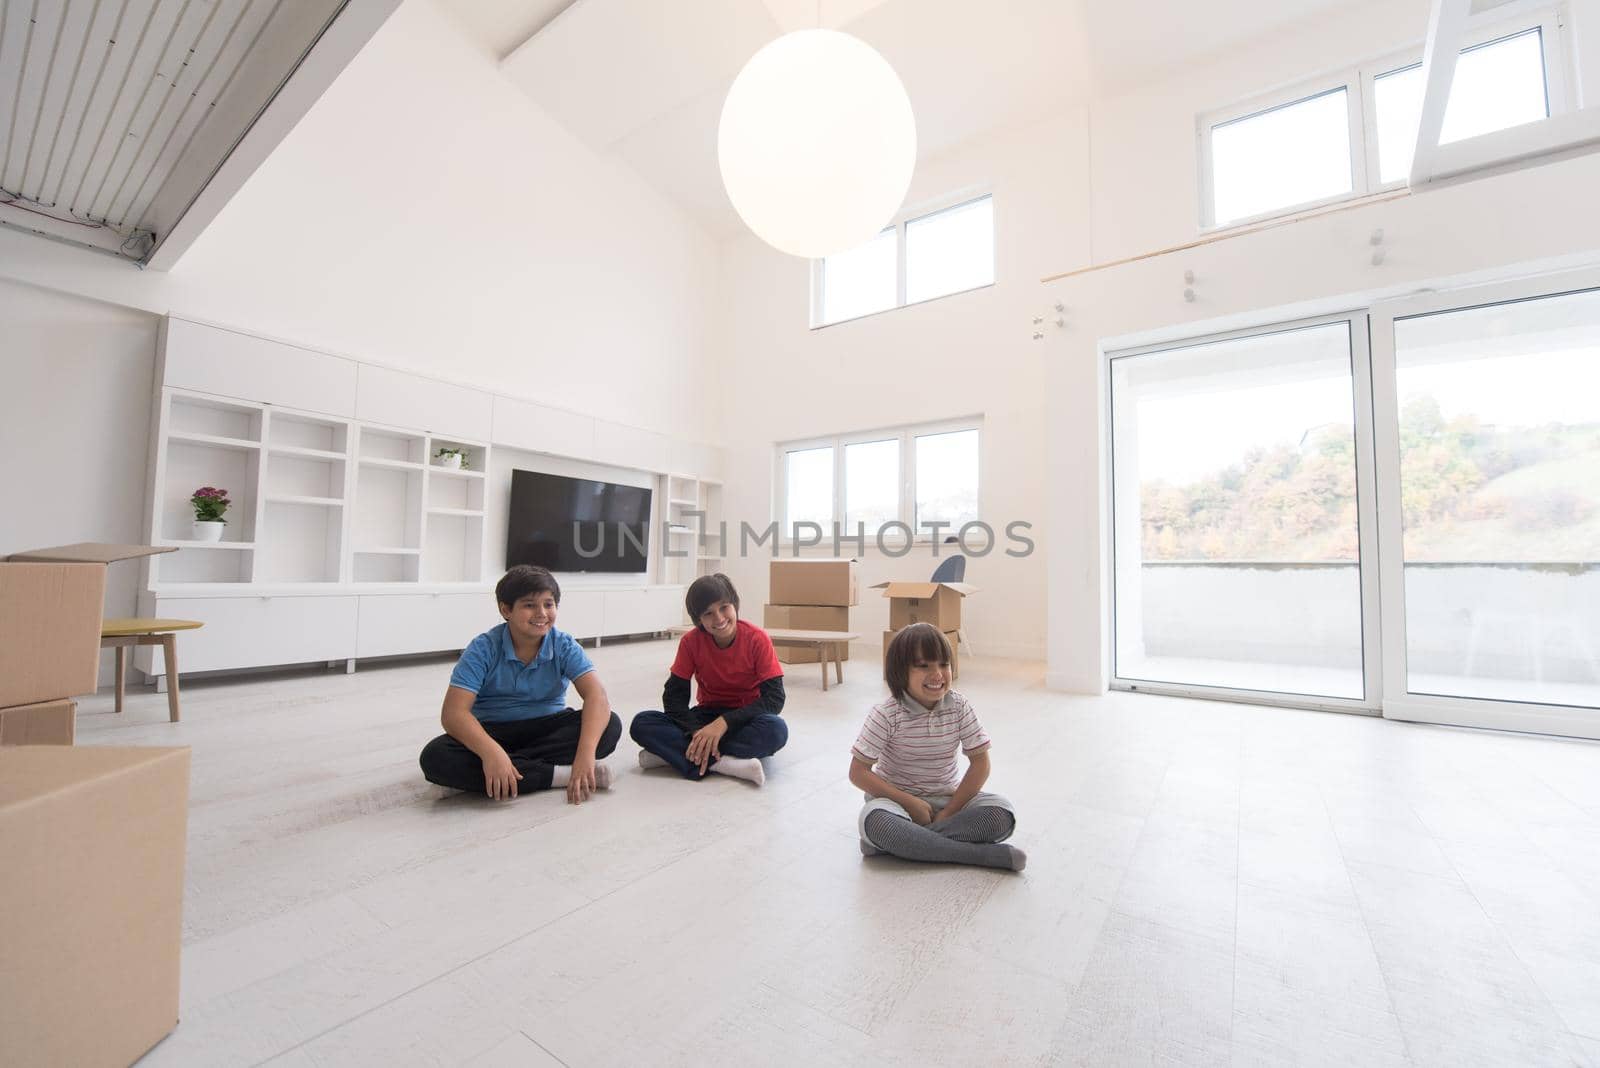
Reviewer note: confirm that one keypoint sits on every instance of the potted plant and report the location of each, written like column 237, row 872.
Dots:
column 209, row 503
column 453, row 458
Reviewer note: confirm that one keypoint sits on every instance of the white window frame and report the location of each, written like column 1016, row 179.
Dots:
column 1348, row 80
column 1558, row 97
column 1378, row 492
column 1398, row 701
column 923, row 211
column 1357, row 81
column 907, row 437
column 1366, row 505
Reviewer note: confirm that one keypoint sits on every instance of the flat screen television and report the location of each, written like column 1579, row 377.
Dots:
column 553, row 517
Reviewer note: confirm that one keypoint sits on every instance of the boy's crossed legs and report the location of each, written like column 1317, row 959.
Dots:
column 971, row 836
column 666, row 740
column 537, row 747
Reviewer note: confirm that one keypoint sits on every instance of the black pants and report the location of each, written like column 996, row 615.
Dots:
column 535, row 747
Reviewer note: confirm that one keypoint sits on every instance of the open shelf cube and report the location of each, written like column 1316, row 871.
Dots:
column 474, row 457
column 191, row 465
column 385, row 566
column 213, row 418
column 392, row 446
column 304, row 476
column 300, row 543
column 200, row 563
column 454, row 549
column 387, row 512
column 307, row 432
column 459, row 494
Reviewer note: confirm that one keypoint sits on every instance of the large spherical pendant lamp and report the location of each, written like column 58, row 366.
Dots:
column 817, row 143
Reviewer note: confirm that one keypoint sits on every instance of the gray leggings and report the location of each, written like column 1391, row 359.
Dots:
column 971, row 836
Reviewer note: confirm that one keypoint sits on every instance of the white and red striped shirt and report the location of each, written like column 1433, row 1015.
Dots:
column 915, row 748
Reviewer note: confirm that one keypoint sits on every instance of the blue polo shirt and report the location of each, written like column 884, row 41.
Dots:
column 507, row 688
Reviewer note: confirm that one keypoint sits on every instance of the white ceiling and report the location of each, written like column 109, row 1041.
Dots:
column 643, row 80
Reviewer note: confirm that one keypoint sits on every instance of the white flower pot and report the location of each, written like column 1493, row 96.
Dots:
column 452, row 461
column 208, row 530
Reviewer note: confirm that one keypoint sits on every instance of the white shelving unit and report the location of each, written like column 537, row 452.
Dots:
column 316, row 500
column 453, row 527
column 345, row 538
column 696, row 536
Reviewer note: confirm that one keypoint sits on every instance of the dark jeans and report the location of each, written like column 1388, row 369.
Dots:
column 667, row 738
column 535, row 746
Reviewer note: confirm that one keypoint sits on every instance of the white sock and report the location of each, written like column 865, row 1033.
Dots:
column 748, row 768
column 648, row 760
column 561, row 774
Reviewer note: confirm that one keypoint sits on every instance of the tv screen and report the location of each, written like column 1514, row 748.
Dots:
column 553, row 517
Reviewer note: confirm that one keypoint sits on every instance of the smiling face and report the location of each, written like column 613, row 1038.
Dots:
column 927, row 681
column 531, row 618
column 916, row 665
column 721, row 621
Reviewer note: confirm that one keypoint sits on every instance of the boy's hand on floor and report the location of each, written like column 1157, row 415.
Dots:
column 580, row 787
column 921, row 812
column 500, row 777
column 704, row 747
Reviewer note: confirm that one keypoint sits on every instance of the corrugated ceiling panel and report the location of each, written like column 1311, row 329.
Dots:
column 100, row 98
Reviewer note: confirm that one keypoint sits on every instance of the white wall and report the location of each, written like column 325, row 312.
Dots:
column 426, row 215
column 1515, row 223
column 1145, row 151
column 963, row 355
column 1111, row 180
column 75, row 383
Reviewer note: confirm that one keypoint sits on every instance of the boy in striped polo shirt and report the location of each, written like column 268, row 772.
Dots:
column 919, row 806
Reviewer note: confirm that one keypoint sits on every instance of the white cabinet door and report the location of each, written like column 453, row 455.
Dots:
column 633, row 612
column 696, row 458
column 243, row 632
column 628, row 446
column 227, row 363
column 398, row 624
column 520, row 425
column 666, row 606
column 582, row 613
column 396, row 398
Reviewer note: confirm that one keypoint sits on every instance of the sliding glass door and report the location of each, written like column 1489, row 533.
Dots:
column 1240, row 476
column 1259, row 477
column 1489, row 420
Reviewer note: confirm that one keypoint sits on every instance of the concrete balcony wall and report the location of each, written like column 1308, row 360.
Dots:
column 1527, row 621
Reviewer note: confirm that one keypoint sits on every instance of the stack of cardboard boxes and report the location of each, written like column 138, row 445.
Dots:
column 813, row 594
column 49, row 648
column 938, row 603
column 92, row 837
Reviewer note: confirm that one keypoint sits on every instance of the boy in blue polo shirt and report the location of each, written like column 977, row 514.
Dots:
column 507, row 726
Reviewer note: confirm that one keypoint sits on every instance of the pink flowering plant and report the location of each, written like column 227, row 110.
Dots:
column 209, row 504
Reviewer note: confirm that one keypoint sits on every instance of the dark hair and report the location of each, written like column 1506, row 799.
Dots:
column 523, row 580
column 706, row 591
column 920, row 641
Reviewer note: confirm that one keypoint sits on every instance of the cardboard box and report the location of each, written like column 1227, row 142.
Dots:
column 938, row 603
column 822, row 581
column 91, row 905
column 950, row 636
column 50, row 608
column 49, row 631
column 805, row 617
column 47, row 723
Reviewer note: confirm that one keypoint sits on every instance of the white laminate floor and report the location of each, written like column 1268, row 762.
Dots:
column 1207, row 884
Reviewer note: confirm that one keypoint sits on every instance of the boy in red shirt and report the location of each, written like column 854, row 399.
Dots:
column 737, row 721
